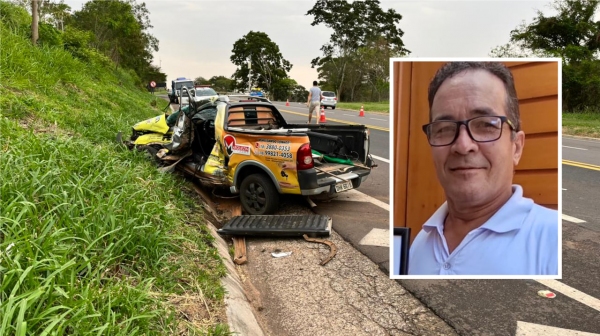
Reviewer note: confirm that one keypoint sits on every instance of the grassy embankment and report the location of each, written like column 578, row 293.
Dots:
column 583, row 123
column 383, row 107
column 93, row 239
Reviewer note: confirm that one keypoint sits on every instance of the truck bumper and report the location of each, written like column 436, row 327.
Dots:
column 310, row 185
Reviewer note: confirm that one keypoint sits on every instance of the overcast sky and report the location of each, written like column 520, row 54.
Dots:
column 196, row 37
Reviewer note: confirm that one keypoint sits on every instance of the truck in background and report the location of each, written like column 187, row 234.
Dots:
column 176, row 85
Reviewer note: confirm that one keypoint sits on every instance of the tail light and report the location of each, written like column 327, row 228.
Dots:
column 334, row 98
column 304, row 158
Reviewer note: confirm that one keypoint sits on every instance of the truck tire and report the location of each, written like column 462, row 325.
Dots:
column 258, row 195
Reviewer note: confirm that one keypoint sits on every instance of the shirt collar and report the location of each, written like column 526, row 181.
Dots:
column 510, row 216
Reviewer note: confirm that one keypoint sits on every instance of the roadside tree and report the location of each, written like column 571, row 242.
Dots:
column 355, row 25
column 267, row 65
column 572, row 34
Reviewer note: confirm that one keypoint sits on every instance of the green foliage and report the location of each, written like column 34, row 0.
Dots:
column 283, row 89
column 15, row 18
column 74, row 38
column 201, row 81
column 299, row 94
column 119, row 30
column 382, row 107
column 571, row 34
column 267, row 62
column 49, row 36
column 93, row 239
column 222, row 83
column 584, row 122
column 357, row 25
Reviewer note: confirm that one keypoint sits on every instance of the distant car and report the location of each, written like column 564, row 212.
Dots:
column 256, row 92
column 204, row 93
column 330, row 100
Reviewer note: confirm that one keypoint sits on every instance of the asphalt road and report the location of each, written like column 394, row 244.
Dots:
column 582, row 150
column 494, row 307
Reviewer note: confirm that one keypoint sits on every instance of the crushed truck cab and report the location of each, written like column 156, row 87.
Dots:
column 248, row 147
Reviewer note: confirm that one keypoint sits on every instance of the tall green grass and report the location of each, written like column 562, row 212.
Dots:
column 93, row 239
column 383, row 107
column 582, row 123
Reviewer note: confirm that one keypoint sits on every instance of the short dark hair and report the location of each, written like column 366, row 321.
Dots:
column 315, row 83
column 497, row 69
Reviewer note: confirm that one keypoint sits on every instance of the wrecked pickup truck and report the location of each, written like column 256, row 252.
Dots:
column 247, row 146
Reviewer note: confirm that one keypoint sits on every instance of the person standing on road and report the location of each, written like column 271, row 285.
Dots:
column 315, row 95
column 486, row 226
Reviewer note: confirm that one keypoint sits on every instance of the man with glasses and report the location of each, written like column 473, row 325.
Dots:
column 486, row 226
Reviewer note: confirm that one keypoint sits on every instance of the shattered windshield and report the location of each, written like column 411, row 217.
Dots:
column 179, row 85
column 205, row 92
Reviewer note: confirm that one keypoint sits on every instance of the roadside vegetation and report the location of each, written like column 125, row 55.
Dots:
column 383, row 107
column 582, row 123
column 93, row 239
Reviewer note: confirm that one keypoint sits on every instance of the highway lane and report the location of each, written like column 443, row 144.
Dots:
column 371, row 119
column 584, row 150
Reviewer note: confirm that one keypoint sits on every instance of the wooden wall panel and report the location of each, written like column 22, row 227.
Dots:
column 402, row 121
column 539, row 186
column 424, row 193
column 539, row 115
column 536, row 80
column 540, row 153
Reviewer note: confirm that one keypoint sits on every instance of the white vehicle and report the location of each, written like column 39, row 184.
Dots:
column 329, row 100
column 204, row 93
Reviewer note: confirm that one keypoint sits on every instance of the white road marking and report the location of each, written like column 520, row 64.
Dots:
column 572, row 219
column 575, row 147
column 376, row 237
column 564, row 189
column 380, row 158
column 356, row 196
column 349, row 114
column 378, row 119
column 571, row 292
column 532, row 329
column 579, row 139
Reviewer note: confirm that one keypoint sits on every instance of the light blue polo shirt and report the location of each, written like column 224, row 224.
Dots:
column 519, row 239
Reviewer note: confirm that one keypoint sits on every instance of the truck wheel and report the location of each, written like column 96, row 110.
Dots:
column 258, row 195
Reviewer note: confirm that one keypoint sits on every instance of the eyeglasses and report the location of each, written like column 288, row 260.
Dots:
column 480, row 129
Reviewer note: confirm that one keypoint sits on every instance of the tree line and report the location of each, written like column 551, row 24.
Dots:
column 354, row 63
column 109, row 32
column 571, row 34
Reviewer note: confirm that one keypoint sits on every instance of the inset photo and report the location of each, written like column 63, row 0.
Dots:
column 475, row 183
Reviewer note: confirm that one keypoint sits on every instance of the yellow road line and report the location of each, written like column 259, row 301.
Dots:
column 581, row 165
column 340, row 121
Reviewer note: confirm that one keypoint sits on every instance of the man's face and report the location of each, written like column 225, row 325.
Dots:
column 469, row 171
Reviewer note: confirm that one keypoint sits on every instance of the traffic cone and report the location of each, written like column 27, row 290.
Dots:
column 322, row 118
column 362, row 112
column 287, row 103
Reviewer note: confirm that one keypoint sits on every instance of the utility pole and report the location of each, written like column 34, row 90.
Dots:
column 249, row 76
column 34, row 21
